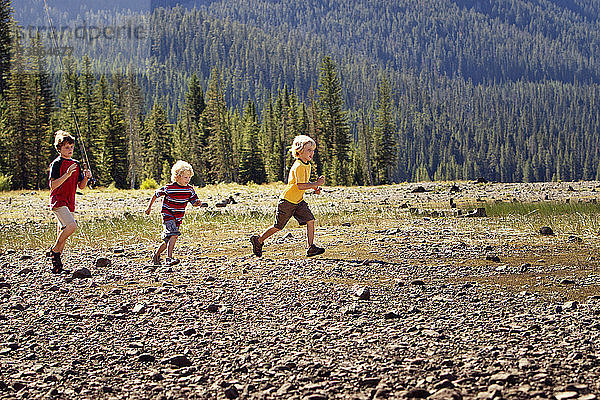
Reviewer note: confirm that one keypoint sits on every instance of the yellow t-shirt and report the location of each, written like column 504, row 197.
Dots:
column 299, row 173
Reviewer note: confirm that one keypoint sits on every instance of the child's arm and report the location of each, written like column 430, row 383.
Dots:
column 87, row 174
column 55, row 183
column 154, row 197
column 312, row 185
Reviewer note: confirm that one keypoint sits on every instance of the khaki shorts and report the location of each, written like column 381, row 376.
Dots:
column 287, row 210
column 64, row 216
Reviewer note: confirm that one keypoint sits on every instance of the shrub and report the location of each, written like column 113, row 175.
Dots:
column 149, row 184
column 5, row 182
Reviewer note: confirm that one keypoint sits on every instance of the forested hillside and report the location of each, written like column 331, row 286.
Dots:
column 508, row 90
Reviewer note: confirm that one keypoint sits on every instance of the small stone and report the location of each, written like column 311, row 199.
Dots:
column 179, row 361
column 363, row 293
column 139, row 308
column 213, row 308
column 575, row 239
column 189, row 332
column 445, row 384
column 571, row 305
column 492, row 258
column 567, row 282
column 504, row 377
column 350, row 310
column 525, row 267
column 103, row 262
column 156, row 376
column 524, row 363
column 231, row 392
column 82, row 273
column 315, row 396
column 418, row 189
column 370, row 382
column 566, row 395
column 546, row 231
column 391, row 315
column 446, row 394
column 25, row 271
column 417, row 393
column 418, row 282
column 146, row 358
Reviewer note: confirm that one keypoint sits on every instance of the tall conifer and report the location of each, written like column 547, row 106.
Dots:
column 335, row 135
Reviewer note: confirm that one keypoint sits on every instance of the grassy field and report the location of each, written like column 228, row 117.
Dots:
column 350, row 222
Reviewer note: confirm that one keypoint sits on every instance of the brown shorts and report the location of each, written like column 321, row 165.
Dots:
column 287, row 210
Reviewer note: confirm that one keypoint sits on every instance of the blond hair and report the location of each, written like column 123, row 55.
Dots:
column 299, row 142
column 62, row 137
column 180, row 167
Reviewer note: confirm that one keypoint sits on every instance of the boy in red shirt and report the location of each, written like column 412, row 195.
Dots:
column 65, row 177
column 177, row 194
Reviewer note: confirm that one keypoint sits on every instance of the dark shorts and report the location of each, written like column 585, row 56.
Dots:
column 170, row 228
column 287, row 210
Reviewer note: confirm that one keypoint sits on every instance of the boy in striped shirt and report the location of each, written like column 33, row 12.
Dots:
column 177, row 194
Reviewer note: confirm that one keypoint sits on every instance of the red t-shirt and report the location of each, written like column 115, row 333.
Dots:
column 176, row 198
column 64, row 195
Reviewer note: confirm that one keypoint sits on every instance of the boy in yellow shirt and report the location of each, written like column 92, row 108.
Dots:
column 291, row 202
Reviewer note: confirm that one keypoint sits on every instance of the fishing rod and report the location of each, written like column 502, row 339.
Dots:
column 78, row 136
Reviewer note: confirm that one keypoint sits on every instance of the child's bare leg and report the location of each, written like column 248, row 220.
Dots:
column 62, row 236
column 161, row 248
column 310, row 232
column 268, row 233
column 171, row 246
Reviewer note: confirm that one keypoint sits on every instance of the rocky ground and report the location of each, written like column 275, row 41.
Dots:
column 402, row 307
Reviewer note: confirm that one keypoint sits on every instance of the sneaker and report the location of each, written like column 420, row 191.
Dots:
column 57, row 265
column 256, row 245
column 314, row 250
column 169, row 262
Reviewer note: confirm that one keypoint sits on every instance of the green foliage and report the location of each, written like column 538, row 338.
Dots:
column 334, row 137
column 479, row 89
column 5, row 44
column 148, row 183
column 158, row 144
column 385, row 134
column 5, row 182
column 219, row 140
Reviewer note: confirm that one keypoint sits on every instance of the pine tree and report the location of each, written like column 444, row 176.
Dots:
column 113, row 131
column 252, row 167
column 158, row 143
column 88, row 115
column 134, row 125
column 335, row 135
column 41, row 107
column 219, row 131
column 385, row 132
column 20, row 140
column 5, row 44
column 191, row 136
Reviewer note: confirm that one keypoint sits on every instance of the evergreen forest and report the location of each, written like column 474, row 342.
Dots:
column 391, row 91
